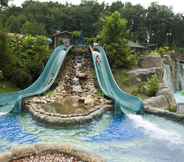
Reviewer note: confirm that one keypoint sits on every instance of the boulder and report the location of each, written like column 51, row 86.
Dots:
column 139, row 75
column 77, row 89
column 160, row 102
column 165, row 91
column 150, row 61
column 89, row 100
column 81, row 75
column 164, row 99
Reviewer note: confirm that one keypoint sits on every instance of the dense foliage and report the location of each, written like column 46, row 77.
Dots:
column 114, row 37
column 151, row 86
column 23, row 57
column 158, row 24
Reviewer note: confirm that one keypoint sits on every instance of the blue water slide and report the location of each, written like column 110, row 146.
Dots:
column 109, row 86
column 12, row 102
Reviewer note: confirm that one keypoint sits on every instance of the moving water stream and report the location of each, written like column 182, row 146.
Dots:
column 176, row 85
column 128, row 138
column 167, row 77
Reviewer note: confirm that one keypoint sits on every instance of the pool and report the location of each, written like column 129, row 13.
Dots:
column 179, row 97
column 130, row 138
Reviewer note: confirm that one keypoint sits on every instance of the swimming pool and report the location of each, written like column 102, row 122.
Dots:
column 130, row 138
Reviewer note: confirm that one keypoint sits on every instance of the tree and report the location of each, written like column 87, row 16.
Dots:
column 15, row 23
column 115, row 6
column 136, row 16
column 3, row 3
column 114, row 37
column 33, row 28
column 160, row 20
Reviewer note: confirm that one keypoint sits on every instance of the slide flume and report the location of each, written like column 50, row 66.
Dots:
column 109, row 86
column 12, row 102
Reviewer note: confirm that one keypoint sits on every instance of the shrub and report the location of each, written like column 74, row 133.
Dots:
column 161, row 51
column 164, row 50
column 90, row 41
column 76, row 34
column 22, row 58
column 173, row 109
column 21, row 78
column 151, row 86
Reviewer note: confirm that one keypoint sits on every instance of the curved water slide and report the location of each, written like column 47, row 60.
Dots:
column 12, row 102
column 109, row 86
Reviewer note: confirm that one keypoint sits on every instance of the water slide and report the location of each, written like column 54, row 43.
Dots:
column 109, row 86
column 12, row 102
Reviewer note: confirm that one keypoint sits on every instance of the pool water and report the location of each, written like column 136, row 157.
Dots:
column 179, row 97
column 129, row 138
column 67, row 107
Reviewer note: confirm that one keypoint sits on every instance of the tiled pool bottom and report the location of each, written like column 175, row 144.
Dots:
column 125, row 139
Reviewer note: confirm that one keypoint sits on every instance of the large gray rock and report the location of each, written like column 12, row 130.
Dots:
column 150, row 61
column 139, row 75
column 165, row 91
column 160, row 102
column 89, row 100
column 163, row 100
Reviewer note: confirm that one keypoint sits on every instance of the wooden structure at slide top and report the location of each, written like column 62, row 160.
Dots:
column 59, row 38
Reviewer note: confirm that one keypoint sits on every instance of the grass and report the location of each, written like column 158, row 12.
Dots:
column 6, row 87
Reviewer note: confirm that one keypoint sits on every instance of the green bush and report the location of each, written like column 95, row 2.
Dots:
column 161, row 51
column 151, row 86
column 173, row 109
column 90, row 41
column 114, row 37
column 76, row 34
column 22, row 58
column 21, row 78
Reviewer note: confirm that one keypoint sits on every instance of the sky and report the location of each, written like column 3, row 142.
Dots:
column 177, row 5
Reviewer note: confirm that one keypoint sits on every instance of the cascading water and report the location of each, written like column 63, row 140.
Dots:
column 174, row 79
column 167, row 77
column 180, row 76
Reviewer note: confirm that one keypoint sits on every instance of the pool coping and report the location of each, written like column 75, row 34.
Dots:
column 23, row 151
column 165, row 113
column 60, row 119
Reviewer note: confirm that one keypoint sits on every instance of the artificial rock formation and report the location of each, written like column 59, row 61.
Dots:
column 163, row 100
column 143, row 74
column 76, row 94
column 150, row 62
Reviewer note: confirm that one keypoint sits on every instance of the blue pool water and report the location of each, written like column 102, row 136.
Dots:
column 179, row 97
column 128, row 138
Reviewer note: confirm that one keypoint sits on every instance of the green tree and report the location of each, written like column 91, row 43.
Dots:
column 33, row 28
column 136, row 16
column 3, row 3
column 15, row 23
column 22, row 58
column 114, row 37
column 115, row 6
column 160, row 20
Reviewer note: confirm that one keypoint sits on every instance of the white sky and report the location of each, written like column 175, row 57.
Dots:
column 177, row 5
